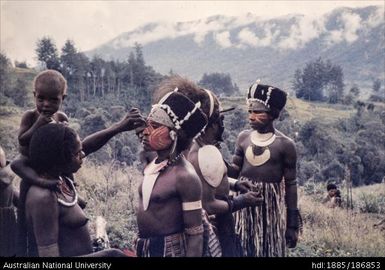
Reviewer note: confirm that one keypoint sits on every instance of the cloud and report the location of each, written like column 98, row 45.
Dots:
column 246, row 36
column 161, row 31
column 199, row 29
column 223, row 39
column 302, row 32
column 350, row 24
column 218, row 25
column 377, row 18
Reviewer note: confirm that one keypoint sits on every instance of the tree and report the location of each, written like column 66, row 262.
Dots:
column 219, row 83
column 21, row 64
column 334, row 82
column 129, row 78
column 47, row 53
column 319, row 81
column 67, row 59
column 74, row 67
column 5, row 70
column 355, row 90
column 20, row 93
column 376, row 85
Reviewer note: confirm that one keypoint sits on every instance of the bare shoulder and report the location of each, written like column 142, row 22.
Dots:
column 187, row 176
column 38, row 196
column 283, row 138
column 188, row 183
column 243, row 135
column 192, row 155
column 287, row 144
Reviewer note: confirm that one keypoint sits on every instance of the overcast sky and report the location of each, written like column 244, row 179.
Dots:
column 92, row 23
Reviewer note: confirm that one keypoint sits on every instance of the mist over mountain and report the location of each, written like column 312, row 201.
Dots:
column 250, row 48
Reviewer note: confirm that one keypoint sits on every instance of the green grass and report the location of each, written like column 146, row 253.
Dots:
column 340, row 232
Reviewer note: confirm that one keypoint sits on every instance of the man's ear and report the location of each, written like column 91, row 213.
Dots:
column 34, row 94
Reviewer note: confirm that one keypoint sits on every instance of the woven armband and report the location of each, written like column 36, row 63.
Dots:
column 189, row 206
column 196, row 230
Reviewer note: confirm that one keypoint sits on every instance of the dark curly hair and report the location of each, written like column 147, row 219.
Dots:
column 331, row 186
column 189, row 89
column 52, row 145
column 52, row 79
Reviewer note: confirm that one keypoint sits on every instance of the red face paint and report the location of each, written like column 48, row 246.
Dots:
column 158, row 138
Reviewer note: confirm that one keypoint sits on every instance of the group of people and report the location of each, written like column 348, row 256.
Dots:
column 191, row 201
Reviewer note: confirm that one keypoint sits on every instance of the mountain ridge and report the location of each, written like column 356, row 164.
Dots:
column 249, row 48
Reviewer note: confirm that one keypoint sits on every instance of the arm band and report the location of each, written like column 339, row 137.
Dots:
column 196, row 230
column 232, row 182
column 292, row 182
column 188, row 206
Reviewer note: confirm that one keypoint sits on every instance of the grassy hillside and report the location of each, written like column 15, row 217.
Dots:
column 301, row 110
column 111, row 191
column 341, row 231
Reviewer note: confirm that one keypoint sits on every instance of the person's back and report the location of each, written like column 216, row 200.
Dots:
column 8, row 199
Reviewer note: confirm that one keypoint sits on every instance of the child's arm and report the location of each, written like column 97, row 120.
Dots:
column 27, row 126
column 21, row 167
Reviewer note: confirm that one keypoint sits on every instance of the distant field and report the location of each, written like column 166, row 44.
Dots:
column 302, row 110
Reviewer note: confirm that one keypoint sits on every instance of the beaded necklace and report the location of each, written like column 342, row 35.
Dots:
column 170, row 162
column 66, row 191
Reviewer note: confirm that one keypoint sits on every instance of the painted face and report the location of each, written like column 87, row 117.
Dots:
column 156, row 136
column 77, row 158
column 48, row 100
column 259, row 119
column 332, row 192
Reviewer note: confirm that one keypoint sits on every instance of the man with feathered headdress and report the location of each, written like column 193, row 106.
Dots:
column 267, row 158
column 170, row 217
